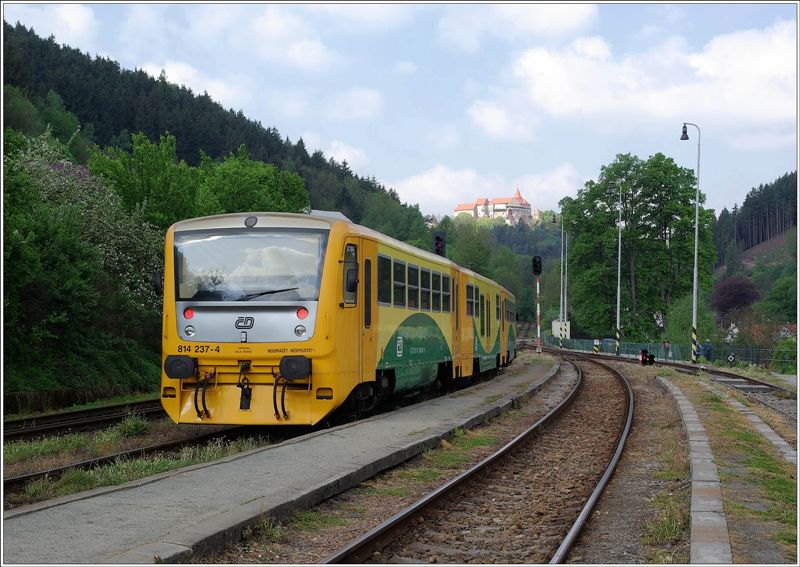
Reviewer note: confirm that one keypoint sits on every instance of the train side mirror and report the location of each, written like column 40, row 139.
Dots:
column 351, row 285
column 158, row 282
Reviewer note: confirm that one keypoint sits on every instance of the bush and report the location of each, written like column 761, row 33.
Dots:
column 784, row 357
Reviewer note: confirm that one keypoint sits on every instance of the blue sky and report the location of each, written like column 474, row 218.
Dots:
column 446, row 103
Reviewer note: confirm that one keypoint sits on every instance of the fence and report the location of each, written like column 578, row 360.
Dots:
column 777, row 359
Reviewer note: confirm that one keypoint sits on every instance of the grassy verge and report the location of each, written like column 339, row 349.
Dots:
column 758, row 484
column 125, row 470
column 124, row 399
column 665, row 536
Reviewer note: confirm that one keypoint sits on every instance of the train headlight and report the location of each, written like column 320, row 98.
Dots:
column 189, row 330
column 300, row 331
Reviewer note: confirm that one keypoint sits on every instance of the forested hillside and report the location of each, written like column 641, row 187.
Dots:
column 112, row 103
column 767, row 211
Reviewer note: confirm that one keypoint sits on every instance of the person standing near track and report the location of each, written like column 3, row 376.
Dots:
column 665, row 344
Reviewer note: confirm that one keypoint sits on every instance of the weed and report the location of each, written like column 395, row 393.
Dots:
column 672, row 521
column 386, row 491
column 311, row 521
column 271, row 530
column 420, row 475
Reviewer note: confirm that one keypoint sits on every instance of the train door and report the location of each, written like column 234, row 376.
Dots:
column 455, row 320
column 351, row 309
column 368, row 301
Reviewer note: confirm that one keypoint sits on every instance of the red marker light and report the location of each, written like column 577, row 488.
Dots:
column 302, row 313
column 188, row 313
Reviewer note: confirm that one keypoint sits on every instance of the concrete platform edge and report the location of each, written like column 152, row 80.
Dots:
column 709, row 541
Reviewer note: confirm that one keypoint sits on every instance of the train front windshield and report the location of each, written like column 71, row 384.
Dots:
column 249, row 264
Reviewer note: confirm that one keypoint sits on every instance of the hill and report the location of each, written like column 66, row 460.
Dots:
column 112, row 103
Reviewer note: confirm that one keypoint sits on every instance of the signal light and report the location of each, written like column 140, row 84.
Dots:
column 439, row 244
column 302, row 313
column 537, row 265
column 188, row 313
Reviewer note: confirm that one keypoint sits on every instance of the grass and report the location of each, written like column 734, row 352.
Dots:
column 772, row 478
column 393, row 491
column 311, row 520
column 95, row 445
column 672, row 522
column 422, row 474
column 125, row 399
column 125, row 470
column 270, row 530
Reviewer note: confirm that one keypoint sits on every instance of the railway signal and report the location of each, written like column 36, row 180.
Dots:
column 439, row 243
column 537, row 265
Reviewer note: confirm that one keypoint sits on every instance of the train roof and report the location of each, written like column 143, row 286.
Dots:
column 319, row 219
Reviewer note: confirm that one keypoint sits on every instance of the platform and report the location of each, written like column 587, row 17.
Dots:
column 163, row 518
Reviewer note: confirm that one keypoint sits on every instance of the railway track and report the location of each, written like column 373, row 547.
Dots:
column 18, row 482
column 525, row 503
column 777, row 398
column 81, row 420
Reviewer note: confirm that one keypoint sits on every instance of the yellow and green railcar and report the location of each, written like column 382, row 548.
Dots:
column 278, row 318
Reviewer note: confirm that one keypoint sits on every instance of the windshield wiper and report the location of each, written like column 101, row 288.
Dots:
column 250, row 296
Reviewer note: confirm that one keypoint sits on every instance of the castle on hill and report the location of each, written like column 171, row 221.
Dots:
column 510, row 209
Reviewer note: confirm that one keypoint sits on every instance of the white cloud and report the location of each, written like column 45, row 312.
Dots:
column 545, row 190
column 220, row 90
column 498, row 122
column 340, row 151
column 739, row 81
column 465, row 27
column 280, row 36
column 439, row 189
column 365, row 18
column 355, row 104
column 73, row 24
column 405, row 67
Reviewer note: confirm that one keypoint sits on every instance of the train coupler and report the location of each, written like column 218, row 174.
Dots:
column 246, row 395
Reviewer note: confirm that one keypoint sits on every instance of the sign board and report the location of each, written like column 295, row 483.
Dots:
column 560, row 327
column 731, row 357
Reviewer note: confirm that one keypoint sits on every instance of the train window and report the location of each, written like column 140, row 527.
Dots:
column 497, row 307
column 367, row 293
column 350, row 274
column 413, row 287
column 446, row 293
column 483, row 315
column 470, row 304
column 384, row 280
column 399, row 284
column 477, row 308
column 425, row 290
column 436, row 292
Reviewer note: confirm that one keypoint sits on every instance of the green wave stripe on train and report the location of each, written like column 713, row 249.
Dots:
column 414, row 351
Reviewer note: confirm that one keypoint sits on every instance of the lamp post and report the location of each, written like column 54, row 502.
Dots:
column 685, row 136
column 561, row 291
column 619, row 266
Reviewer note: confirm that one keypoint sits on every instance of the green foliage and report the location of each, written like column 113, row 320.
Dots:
column 113, row 102
column 472, row 245
column 240, row 184
column 19, row 113
column 679, row 321
column 658, row 203
column 77, row 304
column 780, row 301
column 784, row 356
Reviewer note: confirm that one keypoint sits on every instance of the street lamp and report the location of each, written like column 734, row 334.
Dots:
column 619, row 266
column 685, row 136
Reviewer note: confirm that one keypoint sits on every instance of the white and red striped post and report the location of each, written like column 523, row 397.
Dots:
column 538, row 320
